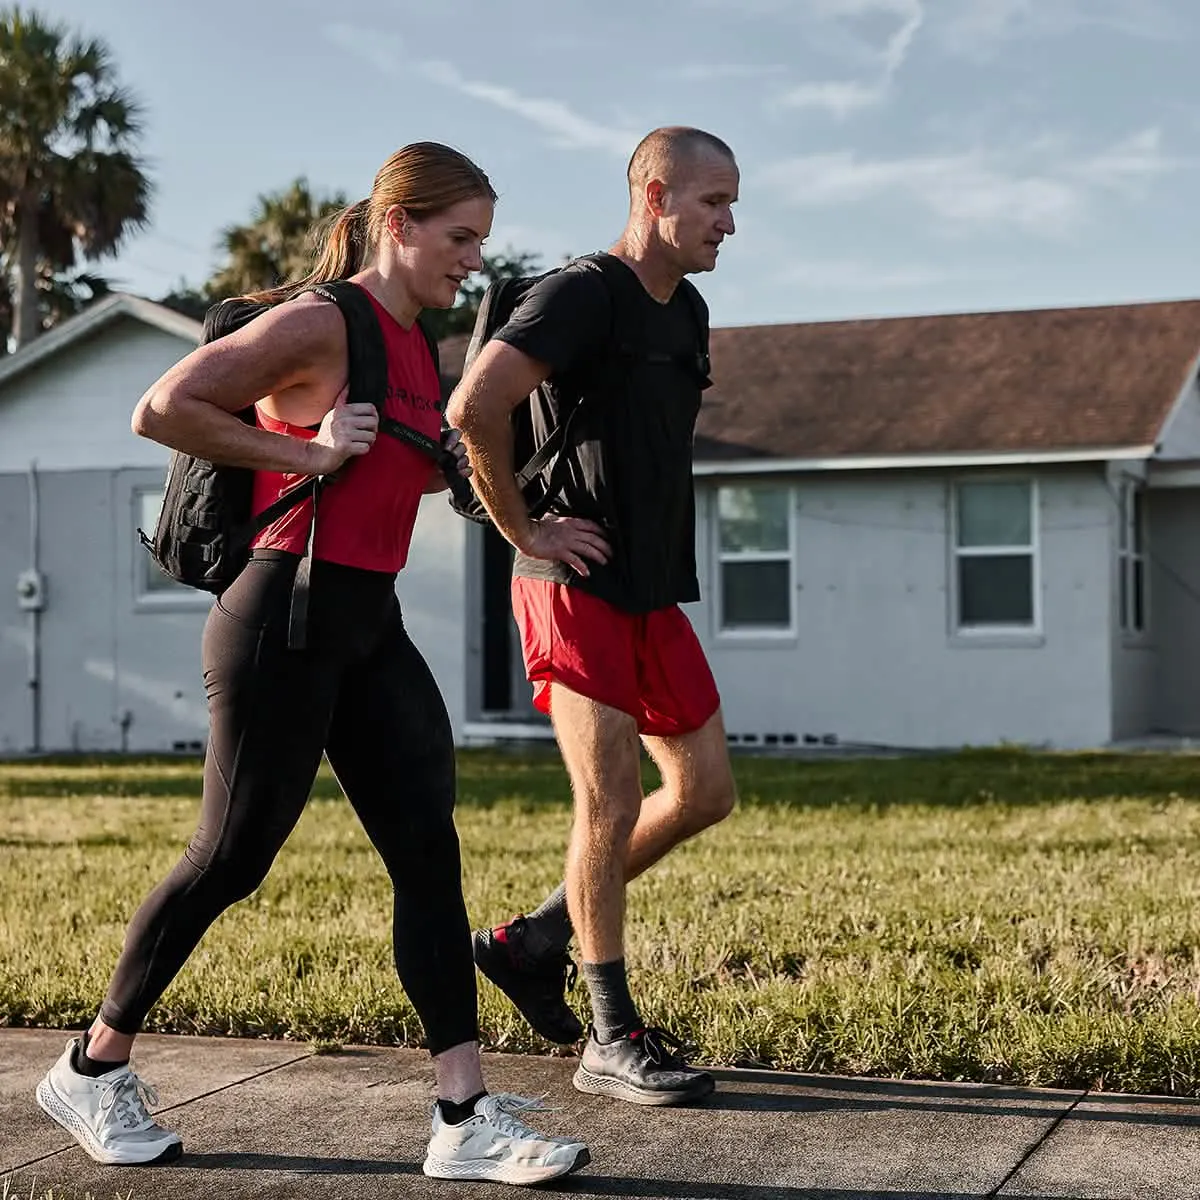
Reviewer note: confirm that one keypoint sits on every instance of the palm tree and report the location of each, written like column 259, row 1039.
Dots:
column 277, row 245
column 71, row 185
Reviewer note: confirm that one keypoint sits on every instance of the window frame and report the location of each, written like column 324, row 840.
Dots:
column 172, row 597
column 1132, row 530
column 744, row 633
column 1032, row 550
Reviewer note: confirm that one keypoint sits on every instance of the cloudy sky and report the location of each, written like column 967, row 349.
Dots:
column 897, row 156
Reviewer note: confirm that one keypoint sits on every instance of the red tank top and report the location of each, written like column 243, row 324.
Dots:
column 366, row 515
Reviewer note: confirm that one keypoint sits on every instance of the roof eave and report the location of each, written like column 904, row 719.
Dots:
column 93, row 318
column 900, row 462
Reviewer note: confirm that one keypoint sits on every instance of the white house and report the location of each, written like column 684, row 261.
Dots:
column 98, row 650
column 929, row 531
column 950, row 530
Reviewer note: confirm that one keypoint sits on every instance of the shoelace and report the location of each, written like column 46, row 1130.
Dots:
column 656, row 1042
column 128, row 1095
column 507, row 1108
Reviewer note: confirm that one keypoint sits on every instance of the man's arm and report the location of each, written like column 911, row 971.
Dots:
column 481, row 408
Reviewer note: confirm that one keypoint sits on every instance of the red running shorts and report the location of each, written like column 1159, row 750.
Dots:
column 650, row 665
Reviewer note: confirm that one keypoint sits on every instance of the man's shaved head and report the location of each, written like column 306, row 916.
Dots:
column 683, row 184
column 668, row 153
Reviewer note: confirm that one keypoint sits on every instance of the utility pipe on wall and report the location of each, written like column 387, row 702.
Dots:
column 31, row 596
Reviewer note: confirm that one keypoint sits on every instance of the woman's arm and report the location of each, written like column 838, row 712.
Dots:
column 296, row 355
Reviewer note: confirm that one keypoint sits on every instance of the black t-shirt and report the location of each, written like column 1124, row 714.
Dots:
column 630, row 451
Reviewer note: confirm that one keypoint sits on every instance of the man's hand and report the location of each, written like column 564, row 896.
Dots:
column 453, row 467
column 570, row 540
column 456, row 446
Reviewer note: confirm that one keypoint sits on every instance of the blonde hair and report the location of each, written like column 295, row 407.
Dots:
column 424, row 178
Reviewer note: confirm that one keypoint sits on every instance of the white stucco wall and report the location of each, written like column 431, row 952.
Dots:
column 15, row 626
column 108, row 656
column 103, row 655
column 875, row 659
column 1135, row 684
column 71, row 412
column 432, row 591
column 119, row 669
column 1180, row 437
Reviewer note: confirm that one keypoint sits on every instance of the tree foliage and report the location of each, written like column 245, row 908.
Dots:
column 72, row 186
column 279, row 244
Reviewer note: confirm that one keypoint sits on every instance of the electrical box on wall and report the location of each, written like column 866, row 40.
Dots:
column 31, row 591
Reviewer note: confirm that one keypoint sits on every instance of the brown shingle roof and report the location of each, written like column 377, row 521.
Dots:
column 1038, row 380
column 1053, row 379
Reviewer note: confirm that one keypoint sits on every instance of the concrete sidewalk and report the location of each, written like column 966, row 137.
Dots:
column 269, row 1119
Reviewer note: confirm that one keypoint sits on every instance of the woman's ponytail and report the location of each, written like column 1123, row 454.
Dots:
column 342, row 245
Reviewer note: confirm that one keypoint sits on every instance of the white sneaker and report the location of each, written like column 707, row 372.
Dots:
column 107, row 1115
column 495, row 1144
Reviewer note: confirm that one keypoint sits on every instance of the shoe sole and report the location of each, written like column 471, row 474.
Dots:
column 488, row 1170
column 59, row 1111
column 480, row 948
column 619, row 1089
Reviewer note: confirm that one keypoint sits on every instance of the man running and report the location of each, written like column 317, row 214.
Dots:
column 597, row 588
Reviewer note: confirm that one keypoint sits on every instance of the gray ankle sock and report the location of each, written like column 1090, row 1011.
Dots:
column 548, row 927
column 614, row 1014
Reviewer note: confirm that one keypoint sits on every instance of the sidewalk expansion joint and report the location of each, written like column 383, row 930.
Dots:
column 1038, row 1144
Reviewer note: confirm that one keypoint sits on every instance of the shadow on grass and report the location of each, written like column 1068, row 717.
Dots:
column 82, row 843
column 533, row 778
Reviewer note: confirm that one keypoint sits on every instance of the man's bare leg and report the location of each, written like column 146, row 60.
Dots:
column 622, row 1059
column 600, row 750
column 697, row 792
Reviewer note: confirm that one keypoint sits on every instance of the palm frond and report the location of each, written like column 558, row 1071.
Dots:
column 68, row 157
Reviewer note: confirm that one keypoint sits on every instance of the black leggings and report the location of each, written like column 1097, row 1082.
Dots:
column 362, row 693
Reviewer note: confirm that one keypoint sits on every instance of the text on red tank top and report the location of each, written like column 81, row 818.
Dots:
column 367, row 514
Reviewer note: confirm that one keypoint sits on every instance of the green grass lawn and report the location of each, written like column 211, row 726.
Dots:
column 985, row 916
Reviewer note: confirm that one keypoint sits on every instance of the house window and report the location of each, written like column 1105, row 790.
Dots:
column 149, row 580
column 754, row 554
column 1131, row 558
column 995, row 555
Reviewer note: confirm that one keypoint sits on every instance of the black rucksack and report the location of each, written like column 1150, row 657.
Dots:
column 543, row 474
column 204, row 529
